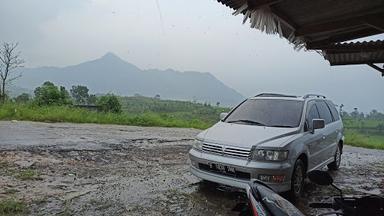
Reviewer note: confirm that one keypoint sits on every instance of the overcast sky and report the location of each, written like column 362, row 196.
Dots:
column 199, row 35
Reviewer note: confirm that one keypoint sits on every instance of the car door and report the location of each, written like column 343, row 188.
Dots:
column 328, row 138
column 313, row 140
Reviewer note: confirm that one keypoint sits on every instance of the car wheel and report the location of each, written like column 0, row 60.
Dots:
column 297, row 179
column 336, row 163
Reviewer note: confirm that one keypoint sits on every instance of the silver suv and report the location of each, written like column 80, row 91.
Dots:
column 274, row 138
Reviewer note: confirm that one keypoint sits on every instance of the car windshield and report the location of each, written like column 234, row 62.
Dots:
column 268, row 112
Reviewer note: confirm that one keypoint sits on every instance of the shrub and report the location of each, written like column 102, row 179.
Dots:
column 109, row 103
column 23, row 98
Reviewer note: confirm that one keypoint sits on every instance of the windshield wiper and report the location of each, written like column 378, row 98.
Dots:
column 282, row 126
column 247, row 121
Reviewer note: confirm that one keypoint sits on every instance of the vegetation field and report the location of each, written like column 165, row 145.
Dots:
column 138, row 111
column 355, row 138
column 364, row 131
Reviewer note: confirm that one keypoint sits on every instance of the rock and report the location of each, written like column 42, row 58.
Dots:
column 24, row 164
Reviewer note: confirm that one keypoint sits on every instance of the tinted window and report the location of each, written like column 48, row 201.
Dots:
column 324, row 111
column 333, row 109
column 312, row 114
column 268, row 112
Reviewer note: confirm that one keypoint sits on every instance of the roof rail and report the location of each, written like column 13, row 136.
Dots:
column 274, row 95
column 313, row 95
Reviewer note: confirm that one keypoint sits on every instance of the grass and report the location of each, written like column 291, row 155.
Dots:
column 77, row 115
column 10, row 191
column 27, row 174
column 4, row 164
column 12, row 207
column 355, row 138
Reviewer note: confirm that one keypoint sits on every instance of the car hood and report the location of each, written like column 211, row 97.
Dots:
column 246, row 136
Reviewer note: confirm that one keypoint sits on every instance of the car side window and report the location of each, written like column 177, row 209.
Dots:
column 324, row 112
column 334, row 112
column 312, row 114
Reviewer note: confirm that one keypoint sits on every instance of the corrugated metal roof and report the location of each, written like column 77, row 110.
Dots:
column 355, row 53
column 360, row 45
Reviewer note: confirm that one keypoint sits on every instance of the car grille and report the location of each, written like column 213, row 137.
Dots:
column 225, row 150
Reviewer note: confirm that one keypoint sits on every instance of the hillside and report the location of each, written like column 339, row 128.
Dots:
column 111, row 74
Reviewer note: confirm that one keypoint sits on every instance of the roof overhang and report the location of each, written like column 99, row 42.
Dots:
column 320, row 25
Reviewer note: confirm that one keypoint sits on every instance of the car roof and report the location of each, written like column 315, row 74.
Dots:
column 288, row 97
column 277, row 98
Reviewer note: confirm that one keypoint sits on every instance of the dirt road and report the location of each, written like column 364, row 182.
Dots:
column 87, row 169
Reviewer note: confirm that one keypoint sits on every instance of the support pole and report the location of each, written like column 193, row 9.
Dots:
column 381, row 70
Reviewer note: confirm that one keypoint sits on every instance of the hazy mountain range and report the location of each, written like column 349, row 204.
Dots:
column 111, row 74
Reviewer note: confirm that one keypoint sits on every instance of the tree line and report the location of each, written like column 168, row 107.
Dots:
column 48, row 94
column 355, row 114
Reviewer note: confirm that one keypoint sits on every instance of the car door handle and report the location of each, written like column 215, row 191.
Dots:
column 323, row 137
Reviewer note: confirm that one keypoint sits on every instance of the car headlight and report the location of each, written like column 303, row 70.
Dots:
column 269, row 155
column 198, row 145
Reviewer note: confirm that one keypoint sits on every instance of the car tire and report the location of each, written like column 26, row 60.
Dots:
column 337, row 160
column 297, row 179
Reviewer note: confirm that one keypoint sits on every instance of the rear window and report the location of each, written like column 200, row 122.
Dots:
column 334, row 112
column 268, row 112
column 324, row 112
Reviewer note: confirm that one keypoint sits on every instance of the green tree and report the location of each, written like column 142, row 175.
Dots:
column 49, row 94
column 80, row 94
column 92, row 99
column 109, row 103
column 23, row 98
column 380, row 127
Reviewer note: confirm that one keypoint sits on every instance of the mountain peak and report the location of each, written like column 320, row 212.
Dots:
column 110, row 55
column 111, row 60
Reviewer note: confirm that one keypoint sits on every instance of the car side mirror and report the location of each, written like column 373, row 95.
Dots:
column 320, row 177
column 317, row 124
column 223, row 115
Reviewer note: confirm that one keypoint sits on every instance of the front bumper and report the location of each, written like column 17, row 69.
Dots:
column 254, row 168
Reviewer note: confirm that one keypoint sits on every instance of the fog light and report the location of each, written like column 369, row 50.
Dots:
column 194, row 164
column 272, row 178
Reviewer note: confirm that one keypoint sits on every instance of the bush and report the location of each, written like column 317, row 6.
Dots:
column 23, row 98
column 49, row 94
column 109, row 103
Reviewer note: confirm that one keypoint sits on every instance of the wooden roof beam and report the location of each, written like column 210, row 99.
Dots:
column 284, row 19
column 377, row 24
column 334, row 25
column 256, row 4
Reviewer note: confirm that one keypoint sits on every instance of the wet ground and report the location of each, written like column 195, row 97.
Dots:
column 87, row 169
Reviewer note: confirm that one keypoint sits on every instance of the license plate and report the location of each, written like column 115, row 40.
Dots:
column 222, row 168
